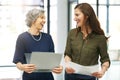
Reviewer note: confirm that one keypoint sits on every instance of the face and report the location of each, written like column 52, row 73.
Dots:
column 39, row 22
column 79, row 18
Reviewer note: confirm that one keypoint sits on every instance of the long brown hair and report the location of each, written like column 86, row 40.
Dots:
column 92, row 19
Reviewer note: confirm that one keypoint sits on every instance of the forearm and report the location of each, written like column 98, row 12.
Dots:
column 19, row 65
column 105, row 66
column 67, row 58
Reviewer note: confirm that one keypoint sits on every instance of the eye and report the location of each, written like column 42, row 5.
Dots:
column 42, row 17
column 77, row 14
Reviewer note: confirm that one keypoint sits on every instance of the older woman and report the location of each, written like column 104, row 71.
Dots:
column 34, row 40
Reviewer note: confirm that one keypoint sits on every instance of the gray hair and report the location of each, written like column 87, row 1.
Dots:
column 32, row 15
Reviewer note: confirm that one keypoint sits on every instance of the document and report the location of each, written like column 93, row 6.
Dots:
column 45, row 61
column 80, row 69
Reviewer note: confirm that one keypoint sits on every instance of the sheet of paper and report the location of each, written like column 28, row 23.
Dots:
column 86, row 70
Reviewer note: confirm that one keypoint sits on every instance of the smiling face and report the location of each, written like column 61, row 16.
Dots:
column 39, row 22
column 79, row 17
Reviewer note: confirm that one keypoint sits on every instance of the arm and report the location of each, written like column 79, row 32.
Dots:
column 29, row 68
column 101, row 73
column 105, row 66
column 19, row 57
column 67, row 53
column 67, row 59
column 19, row 51
column 104, row 58
column 67, row 56
column 68, row 69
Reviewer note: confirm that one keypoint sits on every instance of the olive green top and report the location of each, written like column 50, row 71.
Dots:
column 86, row 51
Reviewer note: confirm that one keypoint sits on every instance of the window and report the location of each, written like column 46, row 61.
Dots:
column 12, row 19
column 12, row 23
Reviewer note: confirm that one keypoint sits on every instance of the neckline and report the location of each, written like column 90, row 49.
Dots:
column 33, row 36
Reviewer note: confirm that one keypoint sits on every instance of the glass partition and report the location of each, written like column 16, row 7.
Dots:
column 12, row 23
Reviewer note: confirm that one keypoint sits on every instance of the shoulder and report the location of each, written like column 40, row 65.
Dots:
column 100, row 37
column 23, row 34
column 22, row 37
column 73, row 31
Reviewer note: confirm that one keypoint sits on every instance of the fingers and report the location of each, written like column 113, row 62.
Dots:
column 69, row 70
column 98, row 74
column 29, row 68
column 57, row 70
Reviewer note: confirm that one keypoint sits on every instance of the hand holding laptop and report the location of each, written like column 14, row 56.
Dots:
column 57, row 70
column 29, row 68
column 45, row 61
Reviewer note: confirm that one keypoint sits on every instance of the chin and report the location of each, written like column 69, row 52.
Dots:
column 77, row 25
column 40, row 28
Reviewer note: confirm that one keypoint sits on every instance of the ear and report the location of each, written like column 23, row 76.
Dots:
column 33, row 22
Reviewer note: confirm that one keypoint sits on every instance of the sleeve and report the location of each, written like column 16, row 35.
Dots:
column 104, row 56
column 68, row 47
column 19, row 51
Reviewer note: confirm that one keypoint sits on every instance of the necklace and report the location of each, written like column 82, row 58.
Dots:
column 38, row 38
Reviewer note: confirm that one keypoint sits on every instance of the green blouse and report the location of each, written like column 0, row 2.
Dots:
column 86, row 51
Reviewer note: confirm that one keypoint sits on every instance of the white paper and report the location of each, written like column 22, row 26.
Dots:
column 80, row 69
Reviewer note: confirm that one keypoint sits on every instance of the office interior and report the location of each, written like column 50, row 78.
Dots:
column 59, row 20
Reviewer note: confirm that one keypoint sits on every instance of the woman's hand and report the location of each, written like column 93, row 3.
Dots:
column 58, row 70
column 29, row 68
column 104, row 68
column 99, row 74
column 69, row 70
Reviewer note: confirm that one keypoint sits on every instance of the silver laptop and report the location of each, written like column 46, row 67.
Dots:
column 45, row 61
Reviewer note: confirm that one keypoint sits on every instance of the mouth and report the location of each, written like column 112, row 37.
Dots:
column 41, row 24
column 78, row 22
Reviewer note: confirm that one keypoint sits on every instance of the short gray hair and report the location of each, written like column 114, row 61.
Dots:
column 32, row 15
